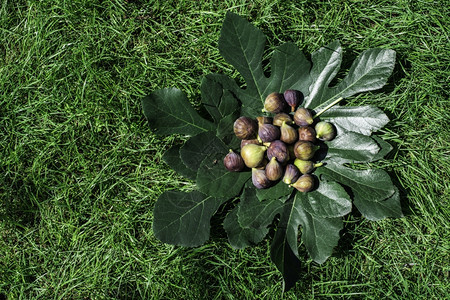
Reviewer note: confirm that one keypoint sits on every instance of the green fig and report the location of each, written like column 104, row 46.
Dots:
column 245, row 128
column 304, row 183
column 305, row 150
column 303, row 117
column 325, row 131
column 253, row 155
column 306, row 166
column 274, row 170
column 233, row 162
column 288, row 134
column 274, row 103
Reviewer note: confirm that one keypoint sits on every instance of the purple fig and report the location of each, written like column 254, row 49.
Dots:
column 303, row 117
column 306, row 133
column 259, row 179
column 274, row 103
column 245, row 128
column 268, row 132
column 293, row 98
column 233, row 162
column 291, row 174
column 279, row 150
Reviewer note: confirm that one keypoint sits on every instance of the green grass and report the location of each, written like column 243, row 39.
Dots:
column 81, row 169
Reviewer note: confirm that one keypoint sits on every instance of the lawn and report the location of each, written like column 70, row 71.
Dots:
column 81, row 169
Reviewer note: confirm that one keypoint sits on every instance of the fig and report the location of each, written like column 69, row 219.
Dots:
column 282, row 117
column 274, row 170
column 304, row 150
column 325, row 131
column 245, row 128
column 279, row 150
column 259, row 179
column 268, row 132
column 291, row 174
column 306, row 133
column 253, row 155
column 306, row 166
column 245, row 142
column 303, row 117
column 304, row 183
column 274, row 103
column 264, row 120
column 293, row 98
column 288, row 134
column 233, row 162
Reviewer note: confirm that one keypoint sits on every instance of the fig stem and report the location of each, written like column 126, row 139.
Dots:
column 328, row 107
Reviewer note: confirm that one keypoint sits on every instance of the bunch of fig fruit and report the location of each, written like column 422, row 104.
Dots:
column 282, row 146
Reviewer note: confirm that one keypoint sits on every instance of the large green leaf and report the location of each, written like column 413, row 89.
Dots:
column 184, row 218
column 385, row 147
column 351, row 147
column 368, row 72
column 242, row 45
column 368, row 185
column 248, row 223
column 376, row 211
column 194, row 151
column 253, row 213
column 215, row 180
column 320, row 235
column 172, row 158
column 168, row 111
column 329, row 200
column 361, row 119
column 217, row 98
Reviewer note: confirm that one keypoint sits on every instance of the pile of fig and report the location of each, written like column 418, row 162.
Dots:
column 282, row 146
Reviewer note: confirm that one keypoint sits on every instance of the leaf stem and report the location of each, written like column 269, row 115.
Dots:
column 328, row 107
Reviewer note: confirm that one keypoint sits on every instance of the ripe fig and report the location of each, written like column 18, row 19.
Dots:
column 253, row 155
column 303, row 117
column 291, row 174
column 245, row 128
column 307, row 133
column 264, row 120
column 259, row 179
column 304, row 150
column 293, row 98
column 282, row 117
column 252, row 141
column 306, row 166
column 325, row 131
column 274, row 170
column 268, row 132
column 288, row 134
column 274, row 103
column 279, row 150
column 304, row 183
column 233, row 162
